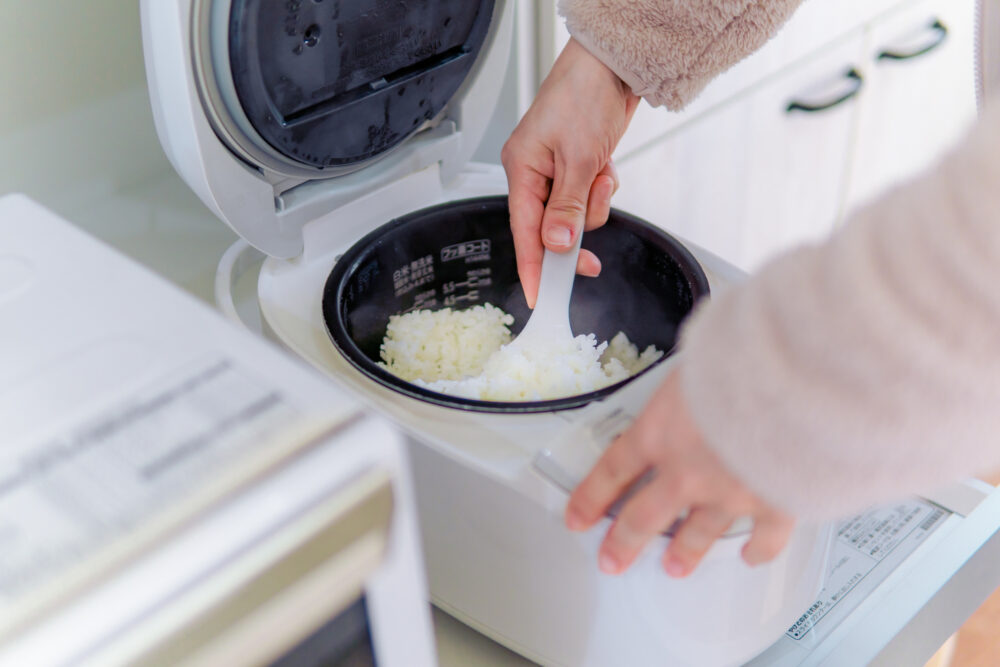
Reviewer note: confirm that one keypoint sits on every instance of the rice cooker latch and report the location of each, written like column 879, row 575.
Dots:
column 318, row 102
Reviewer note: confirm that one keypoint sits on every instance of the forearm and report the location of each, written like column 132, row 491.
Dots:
column 668, row 50
column 868, row 367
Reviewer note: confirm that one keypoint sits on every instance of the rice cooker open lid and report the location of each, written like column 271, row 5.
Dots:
column 317, row 96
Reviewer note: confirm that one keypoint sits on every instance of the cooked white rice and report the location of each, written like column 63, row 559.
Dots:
column 465, row 353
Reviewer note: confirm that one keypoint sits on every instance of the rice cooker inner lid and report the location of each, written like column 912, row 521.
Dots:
column 323, row 87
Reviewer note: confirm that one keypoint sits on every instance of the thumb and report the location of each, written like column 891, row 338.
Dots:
column 566, row 208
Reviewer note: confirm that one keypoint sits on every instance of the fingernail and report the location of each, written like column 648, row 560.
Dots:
column 558, row 236
column 574, row 521
column 591, row 271
column 674, row 567
column 607, row 563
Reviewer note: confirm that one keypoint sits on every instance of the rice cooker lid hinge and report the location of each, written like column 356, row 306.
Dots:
column 319, row 88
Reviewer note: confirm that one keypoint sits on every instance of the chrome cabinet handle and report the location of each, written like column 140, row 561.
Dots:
column 940, row 34
column 856, row 82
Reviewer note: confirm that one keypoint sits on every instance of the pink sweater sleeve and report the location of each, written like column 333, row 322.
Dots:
column 668, row 50
column 868, row 367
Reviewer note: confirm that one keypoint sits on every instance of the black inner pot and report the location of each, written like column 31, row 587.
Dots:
column 461, row 254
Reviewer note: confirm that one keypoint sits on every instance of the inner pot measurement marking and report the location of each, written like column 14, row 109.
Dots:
column 410, row 276
column 466, row 290
column 471, row 251
column 422, row 300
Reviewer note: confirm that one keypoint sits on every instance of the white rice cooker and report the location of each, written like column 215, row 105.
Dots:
column 332, row 136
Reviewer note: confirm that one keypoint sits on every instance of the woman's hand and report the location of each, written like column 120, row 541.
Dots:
column 558, row 161
column 687, row 475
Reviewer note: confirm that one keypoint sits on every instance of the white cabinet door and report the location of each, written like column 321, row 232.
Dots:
column 752, row 176
column 921, row 97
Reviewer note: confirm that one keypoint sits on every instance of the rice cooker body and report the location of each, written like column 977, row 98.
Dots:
column 497, row 555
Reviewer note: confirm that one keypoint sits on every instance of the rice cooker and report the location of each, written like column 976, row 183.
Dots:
column 335, row 139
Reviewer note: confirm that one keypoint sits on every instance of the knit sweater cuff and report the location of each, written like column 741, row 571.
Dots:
column 668, row 51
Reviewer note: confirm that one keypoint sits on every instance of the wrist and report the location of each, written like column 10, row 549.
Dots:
column 625, row 80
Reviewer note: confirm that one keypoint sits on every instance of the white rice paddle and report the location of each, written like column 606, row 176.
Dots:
column 549, row 321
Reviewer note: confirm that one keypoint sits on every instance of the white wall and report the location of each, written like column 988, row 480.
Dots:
column 74, row 114
column 62, row 53
column 77, row 135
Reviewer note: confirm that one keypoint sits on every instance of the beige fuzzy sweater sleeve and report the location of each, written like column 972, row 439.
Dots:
column 852, row 372
column 668, row 50
column 867, row 367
